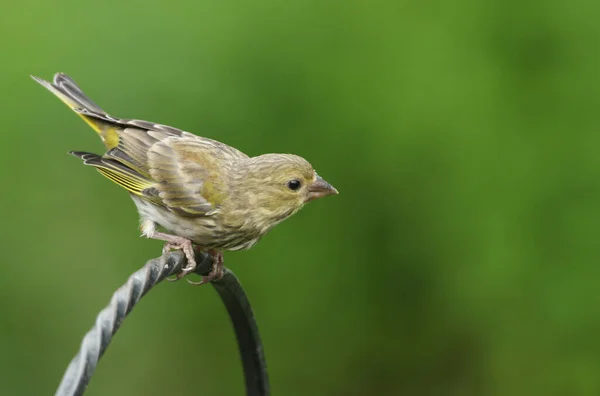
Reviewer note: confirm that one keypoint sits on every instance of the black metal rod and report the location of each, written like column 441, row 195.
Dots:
column 82, row 367
column 249, row 343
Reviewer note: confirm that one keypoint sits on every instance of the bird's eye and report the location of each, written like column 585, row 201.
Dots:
column 294, row 184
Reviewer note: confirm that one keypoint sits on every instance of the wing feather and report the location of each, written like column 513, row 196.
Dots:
column 191, row 173
column 119, row 173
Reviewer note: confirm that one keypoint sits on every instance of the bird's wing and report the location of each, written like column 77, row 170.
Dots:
column 184, row 173
column 191, row 173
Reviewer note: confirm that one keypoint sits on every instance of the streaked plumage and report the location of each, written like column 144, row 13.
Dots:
column 197, row 189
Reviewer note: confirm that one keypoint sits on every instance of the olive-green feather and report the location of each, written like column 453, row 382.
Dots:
column 190, row 180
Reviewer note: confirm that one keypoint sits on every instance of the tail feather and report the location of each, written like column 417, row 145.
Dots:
column 108, row 127
column 67, row 90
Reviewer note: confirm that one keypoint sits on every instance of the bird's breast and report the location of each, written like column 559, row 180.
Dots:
column 209, row 232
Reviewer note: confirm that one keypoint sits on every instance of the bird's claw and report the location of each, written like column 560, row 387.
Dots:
column 216, row 272
column 214, row 275
column 168, row 247
column 188, row 249
column 187, row 270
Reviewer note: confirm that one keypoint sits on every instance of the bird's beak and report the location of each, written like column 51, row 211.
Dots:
column 320, row 188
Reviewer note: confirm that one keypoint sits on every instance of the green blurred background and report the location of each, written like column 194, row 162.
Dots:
column 460, row 258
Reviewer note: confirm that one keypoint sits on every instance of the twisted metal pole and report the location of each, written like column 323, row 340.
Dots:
column 94, row 344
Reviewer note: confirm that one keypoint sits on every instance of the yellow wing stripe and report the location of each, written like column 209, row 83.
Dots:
column 130, row 183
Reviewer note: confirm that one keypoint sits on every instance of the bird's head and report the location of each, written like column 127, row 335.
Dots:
column 278, row 185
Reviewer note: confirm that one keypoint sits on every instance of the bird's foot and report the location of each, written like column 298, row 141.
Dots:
column 216, row 273
column 184, row 244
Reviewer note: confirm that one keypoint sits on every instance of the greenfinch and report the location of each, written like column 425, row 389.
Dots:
column 191, row 190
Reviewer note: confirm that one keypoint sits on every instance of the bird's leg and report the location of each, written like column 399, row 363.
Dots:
column 148, row 228
column 217, row 269
column 178, row 243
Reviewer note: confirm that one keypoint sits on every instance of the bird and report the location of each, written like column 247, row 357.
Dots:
column 192, row 191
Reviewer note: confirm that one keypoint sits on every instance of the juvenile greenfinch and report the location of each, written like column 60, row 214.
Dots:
column 199, row 191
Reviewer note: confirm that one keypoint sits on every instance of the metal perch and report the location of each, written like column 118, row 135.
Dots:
column 95, row 342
